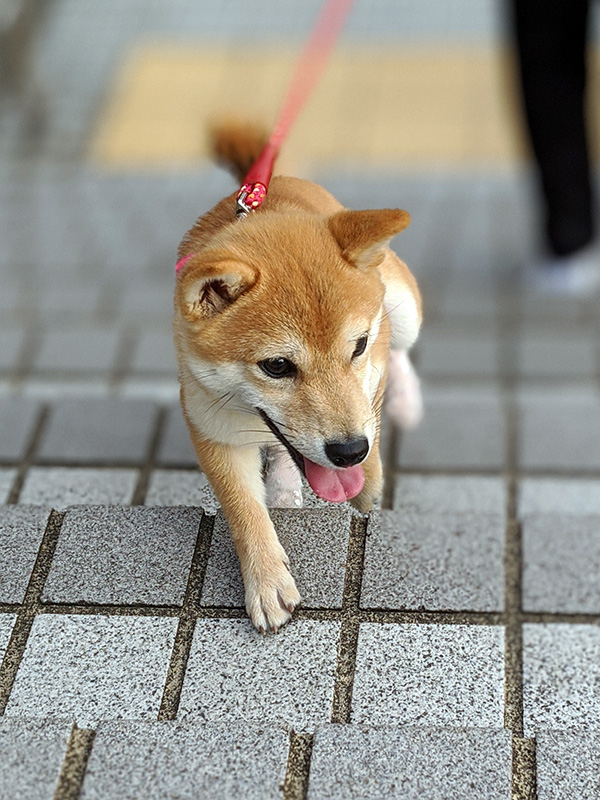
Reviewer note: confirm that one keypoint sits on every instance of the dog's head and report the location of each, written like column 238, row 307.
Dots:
column 284, row 315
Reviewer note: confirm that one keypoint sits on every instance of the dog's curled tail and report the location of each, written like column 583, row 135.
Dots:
column 236, row 145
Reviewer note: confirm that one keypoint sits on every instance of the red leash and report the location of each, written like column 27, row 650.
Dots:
column 309, row 69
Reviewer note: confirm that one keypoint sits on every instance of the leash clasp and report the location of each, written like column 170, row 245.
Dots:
column 249, row 198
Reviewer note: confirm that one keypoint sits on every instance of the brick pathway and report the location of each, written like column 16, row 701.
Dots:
column 448, row 646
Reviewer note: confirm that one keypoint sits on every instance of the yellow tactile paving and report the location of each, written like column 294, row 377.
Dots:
column 375, row 106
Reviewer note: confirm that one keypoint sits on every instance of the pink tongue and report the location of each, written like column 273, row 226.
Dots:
column 335, row 485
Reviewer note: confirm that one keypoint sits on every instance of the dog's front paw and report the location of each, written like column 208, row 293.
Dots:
column 271, row 597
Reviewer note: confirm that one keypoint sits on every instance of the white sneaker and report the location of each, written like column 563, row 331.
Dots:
column 575, row 275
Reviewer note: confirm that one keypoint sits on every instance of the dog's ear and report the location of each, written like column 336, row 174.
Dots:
column 363, row 235
column 207, row 289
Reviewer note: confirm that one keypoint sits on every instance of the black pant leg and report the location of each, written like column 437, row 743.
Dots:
column 551, row 38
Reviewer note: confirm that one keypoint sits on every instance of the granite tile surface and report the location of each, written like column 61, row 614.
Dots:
column 98, row 430
column 561, row 563
column 7, row 478
column 574, row 443
column 7, row 622
column 561, row 673
column 178, row 487
column 206, row 761
column 429, row 675
column 235, row 674
column 140, row 555
column 32, row 755
column 316, row 542
column 355, row 762
column 18, row 416
column 21, row 532
column 436, row 562
column 568, row 765
column 89, row 668
column 84, row 349
column 443, row 494
column 176, row 448
column 461, row 429
column 576, row 496
column 60, row 487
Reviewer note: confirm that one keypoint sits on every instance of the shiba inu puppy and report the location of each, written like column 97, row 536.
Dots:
column 283, row 326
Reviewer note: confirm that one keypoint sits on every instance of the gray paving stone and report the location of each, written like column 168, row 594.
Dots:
column 575, row 496
column 101, row 430
column 316, row 542
column 61, row 487
column 18, row 416
column 57, row 389
column 568, row 765
column 429, row 675
column 161, row 390
column 461, row 429
column 458, row 303
column 65, row 299
column 9, row 298
column 561, row 564
column 178, row 487
column 555, row 355
column 561, row 673
column 575, row 394
column 236, row 674
column 560, row 433
column 32, row 756
column 210, row 761
column 452, row 353
column 425, row 561
column 351, row 762
column 176, row 446
column 447, row 494
column 149, row 299
column 92, row 668
column 154, row 352
column 85, row 349
column 11, row 344
column 21, row 531
column 537, row 308
column 7, row 478
column 140, row 555
column 7, row 622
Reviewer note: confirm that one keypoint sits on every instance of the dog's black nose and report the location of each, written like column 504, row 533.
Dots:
column 348, row 453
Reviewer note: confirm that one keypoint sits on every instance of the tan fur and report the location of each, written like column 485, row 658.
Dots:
column 303, row 279
column 236, row 145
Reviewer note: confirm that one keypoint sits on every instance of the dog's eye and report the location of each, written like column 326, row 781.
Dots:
column 278, row 367
column 361, row 346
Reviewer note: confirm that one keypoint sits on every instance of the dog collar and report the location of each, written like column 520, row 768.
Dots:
column 181, row 263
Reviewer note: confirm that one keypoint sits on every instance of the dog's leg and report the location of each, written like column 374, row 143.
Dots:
column 235, row 475
column 282, row 479
column 404, row 403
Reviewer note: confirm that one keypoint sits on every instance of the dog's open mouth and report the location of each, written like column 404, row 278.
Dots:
column 334, row 485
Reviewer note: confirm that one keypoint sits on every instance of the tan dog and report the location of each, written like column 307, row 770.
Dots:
column 283, row 326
